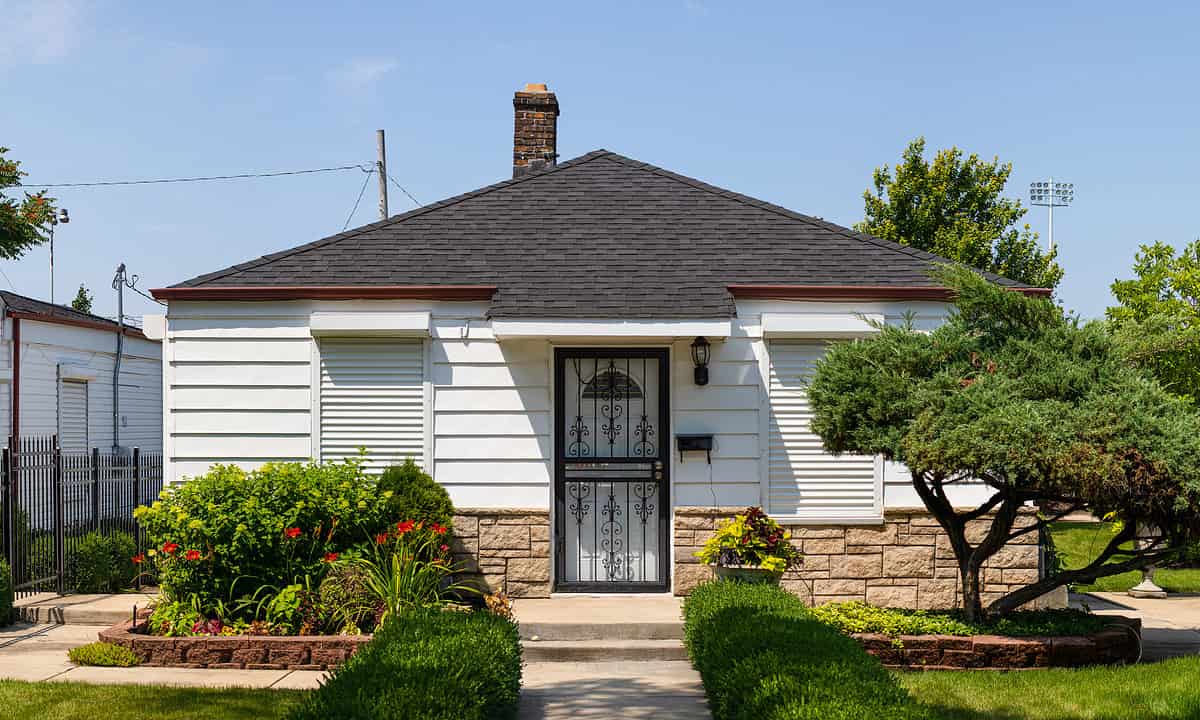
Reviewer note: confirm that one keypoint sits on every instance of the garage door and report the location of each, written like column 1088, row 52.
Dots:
column 804, row 480
column 372, row 396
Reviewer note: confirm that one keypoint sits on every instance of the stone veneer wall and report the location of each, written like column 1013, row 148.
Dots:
column 504, row 549
column 904, row 562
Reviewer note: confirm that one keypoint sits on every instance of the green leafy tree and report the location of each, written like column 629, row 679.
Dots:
column 22, row 222
column 1157, row 319
column 83, row 300
column 1035, row 405
column 954, row 207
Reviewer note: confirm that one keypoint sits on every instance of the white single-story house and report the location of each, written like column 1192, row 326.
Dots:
column 57, row 377
column 596, row 358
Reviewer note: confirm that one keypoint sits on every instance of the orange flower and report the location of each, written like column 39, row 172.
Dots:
column 292, row 532
column 381, row 538
column 192, row 555
column 439, row 529
column 406, row 526
column 138, row 559
column 170, row 548
column 330, row 557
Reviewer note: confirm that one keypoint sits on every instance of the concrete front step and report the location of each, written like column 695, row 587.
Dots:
column 601, row 631
column 603, row 650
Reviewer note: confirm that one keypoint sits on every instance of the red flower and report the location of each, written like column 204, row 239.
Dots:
column 330, row 557
column 381, row 538
column 444, row 548
column 292, row 532
column 406, row 526
column 192, row 555
column 439, row 529
column 170, row 548
column 138, row 559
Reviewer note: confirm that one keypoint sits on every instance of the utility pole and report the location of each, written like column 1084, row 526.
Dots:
column 381, row 169
column 119, row 283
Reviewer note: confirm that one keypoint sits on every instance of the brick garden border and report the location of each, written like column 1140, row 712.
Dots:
column 240, row 652
column 1110, row 646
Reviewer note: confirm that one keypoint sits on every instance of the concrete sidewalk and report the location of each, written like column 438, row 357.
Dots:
column 1170, row 625
column 38, row 653
column 82, row 609
column 570, row 691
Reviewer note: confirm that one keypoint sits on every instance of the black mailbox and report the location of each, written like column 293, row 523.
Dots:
column 694, row 443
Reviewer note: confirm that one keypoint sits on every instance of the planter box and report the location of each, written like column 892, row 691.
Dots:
column 246, row 652
column 747, row 574
column 1118, row 644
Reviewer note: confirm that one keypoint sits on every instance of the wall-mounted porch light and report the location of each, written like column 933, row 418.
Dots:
column 700, row 351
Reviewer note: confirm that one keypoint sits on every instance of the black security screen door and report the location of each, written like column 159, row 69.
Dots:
column 611, row 487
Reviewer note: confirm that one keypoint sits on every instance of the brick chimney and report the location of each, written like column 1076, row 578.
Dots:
column 535, row 129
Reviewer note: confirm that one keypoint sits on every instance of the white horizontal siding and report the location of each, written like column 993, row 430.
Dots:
column 803, row 479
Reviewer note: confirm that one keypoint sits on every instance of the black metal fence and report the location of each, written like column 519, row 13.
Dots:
column 52, row 498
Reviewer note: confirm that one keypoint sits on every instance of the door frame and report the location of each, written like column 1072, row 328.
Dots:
column 665, row 559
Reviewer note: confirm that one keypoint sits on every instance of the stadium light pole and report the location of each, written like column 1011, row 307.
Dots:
column 1051, row 195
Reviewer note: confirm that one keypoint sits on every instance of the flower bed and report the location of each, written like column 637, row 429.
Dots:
column 246, row 652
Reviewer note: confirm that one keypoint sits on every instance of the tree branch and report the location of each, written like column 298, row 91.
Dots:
column 1043, row 523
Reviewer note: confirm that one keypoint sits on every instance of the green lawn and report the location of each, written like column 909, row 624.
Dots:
column 1079, row 543
column 76, row 701
column 1161, row 691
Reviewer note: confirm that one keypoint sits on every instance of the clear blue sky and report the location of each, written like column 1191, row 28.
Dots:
column 794, row 103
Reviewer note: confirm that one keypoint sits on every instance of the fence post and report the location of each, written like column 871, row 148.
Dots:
column 7, row 507
column 60, row 536
column 96, row 489
column 137, row 499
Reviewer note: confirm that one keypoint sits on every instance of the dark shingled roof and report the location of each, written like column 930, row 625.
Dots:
column 21, row 303
column 600, row 236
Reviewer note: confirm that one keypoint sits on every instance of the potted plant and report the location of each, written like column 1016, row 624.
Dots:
column 750, row 547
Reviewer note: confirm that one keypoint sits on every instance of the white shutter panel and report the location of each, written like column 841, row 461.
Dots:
column 372, row 396
column 73, row 416
column 804, row 480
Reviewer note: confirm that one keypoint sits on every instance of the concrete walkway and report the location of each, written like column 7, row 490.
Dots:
column 570, row 691
column 38, row 653
column 1170, row 625
column 82, row 609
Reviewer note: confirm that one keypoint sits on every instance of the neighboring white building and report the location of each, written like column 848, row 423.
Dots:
column 530, row 345
column 56, row 377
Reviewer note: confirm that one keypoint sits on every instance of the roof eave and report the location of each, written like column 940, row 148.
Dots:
column 75, row 322
column 326, row 292
column 857, row 292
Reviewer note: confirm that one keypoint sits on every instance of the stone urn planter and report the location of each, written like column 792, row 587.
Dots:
column 747, row 574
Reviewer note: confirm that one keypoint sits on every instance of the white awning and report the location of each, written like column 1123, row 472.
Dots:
column 624, row 329
column 819, row 325
column 383, row 324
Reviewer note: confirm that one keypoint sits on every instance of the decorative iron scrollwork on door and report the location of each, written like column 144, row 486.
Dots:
column 611, row 488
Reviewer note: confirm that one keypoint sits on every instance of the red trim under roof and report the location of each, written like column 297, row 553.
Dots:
column 74, row 322
column 855, row 292
column 327, row 292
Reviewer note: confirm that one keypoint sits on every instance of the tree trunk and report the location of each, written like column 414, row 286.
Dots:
column 972, row 598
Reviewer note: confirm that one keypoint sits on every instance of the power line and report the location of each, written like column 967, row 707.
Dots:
column 159, row 181
column 410, row 197
column 151, row 298
column 366, row 179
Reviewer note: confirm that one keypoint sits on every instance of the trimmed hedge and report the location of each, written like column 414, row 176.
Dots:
column 426, row 664
column 102, row 654
column 859, row 617
column 763, row 656
column 7, row 596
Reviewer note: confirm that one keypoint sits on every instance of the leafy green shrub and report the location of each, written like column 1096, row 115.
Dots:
column 102, row 654
column 410, row 567
column 99, row 563
column 426, row 664
column 174, row 619
column 7, row 595
column 415, row 495
column 347, row 600
column 859, row 617
column 224, row 535
column 762, row 656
